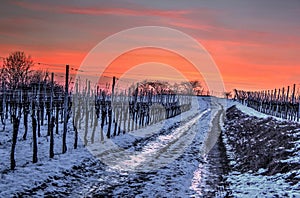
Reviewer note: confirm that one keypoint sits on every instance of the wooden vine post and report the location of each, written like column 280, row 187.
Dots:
column 4, row 110
column 64, row 144
column 283, row 103
column 110, row 108
column 76, row 113
column 52, row 119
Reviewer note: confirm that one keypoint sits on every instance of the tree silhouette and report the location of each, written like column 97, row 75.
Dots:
column 16, row 69
column 228, row 94
column 197, row 87
column 37, row 76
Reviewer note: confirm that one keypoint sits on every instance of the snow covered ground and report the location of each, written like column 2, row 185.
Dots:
column 263, row 154
column 155, row 161
column 168, row 159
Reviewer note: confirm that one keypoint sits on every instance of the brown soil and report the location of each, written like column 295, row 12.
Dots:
column 261, row 143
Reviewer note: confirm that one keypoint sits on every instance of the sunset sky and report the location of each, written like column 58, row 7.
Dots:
column 255, row 44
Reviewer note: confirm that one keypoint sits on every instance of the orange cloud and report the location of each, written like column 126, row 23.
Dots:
column 103, row 11
column 248, row 57
column 251, row 66
column 122, row 11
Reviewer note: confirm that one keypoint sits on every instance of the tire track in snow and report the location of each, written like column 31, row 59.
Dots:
column 163, row 150
column 108, row 181
column 208, row 180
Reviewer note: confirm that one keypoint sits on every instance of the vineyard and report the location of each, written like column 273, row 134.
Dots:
column 101, row 113
column 282, row 103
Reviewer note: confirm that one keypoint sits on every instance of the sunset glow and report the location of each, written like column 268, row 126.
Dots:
column 152, row 56
column 255, row 44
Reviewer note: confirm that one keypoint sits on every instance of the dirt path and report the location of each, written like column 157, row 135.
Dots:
column 209, row 179
column 172, row 178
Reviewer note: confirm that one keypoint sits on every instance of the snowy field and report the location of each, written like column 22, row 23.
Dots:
column 170, row 149
column 167, row 159
column 264, row 154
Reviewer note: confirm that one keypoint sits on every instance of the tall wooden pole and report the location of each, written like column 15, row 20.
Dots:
column 75, row 115
column 110, row 108
column 298, row 108
column 4, row 110
column 64, row 146
column 113, row 89
column 293, row 94
column 51, row 121
column 286, row 102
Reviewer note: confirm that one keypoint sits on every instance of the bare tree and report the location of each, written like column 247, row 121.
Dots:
column 184, row 87
column 16, row 69
column 37, row 76
column 228, row 94
column 197, row 87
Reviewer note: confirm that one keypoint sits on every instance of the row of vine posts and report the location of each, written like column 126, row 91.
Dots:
column 282, row 103
column 45, row 104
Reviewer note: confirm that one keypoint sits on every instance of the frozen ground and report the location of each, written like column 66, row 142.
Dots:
column 263, row 154
column 168, row 159
column 160, row 160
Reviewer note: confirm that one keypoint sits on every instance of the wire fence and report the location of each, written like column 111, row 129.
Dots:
column 282, row 103
column 90, row 109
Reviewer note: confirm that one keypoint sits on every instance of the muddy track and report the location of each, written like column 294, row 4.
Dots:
column 214, row 170
column 218, row 167
column 218, row 164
